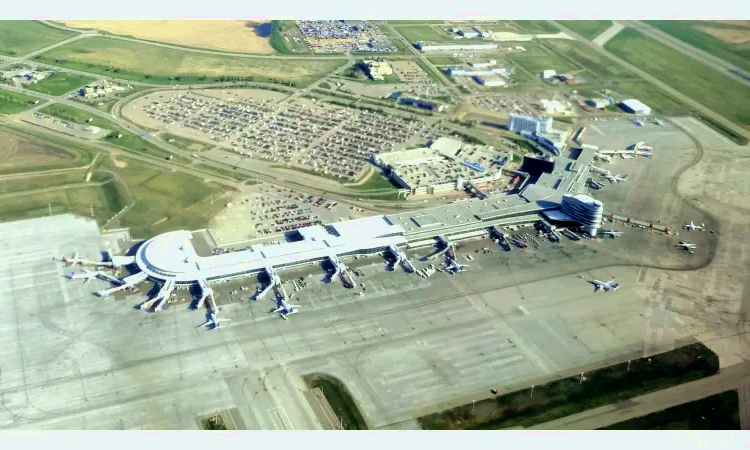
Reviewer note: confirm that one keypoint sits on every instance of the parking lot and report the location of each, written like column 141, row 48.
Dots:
column 517, row 104
column 338, row 36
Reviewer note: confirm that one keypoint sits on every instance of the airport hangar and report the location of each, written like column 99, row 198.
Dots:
column 171, row 260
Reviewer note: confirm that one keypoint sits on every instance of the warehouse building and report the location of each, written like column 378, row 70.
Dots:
column 634, row 106
column 377, row 70
column 490, row 81
column 539, row 129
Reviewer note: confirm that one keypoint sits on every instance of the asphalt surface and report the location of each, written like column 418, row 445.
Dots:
column 650, row 78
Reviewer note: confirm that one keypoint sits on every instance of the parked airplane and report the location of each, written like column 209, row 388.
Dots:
column 86, row 276
column 691, row 226
column 595, row 185
column 213, row 321
column 455, row 267
column 612, row 233
column 638, row 122
column 600, row 285
column 615, row 178
column 284, row 309
column 658, row 122
column 687, row 245
column 70, row 261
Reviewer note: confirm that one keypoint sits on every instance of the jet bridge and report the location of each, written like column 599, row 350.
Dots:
column 125, row 283
column 342, row 271
column 206, row 292
column 401, row 258
column 481, row 193
column 161, row 297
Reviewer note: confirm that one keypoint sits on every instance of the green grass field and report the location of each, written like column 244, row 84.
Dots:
column 339, row 398
column 59, row 83
column 537, row 59
column 31, row 182
column 690, row 33
column 424, row 33
column 408, row 22
column 713, row 89
column 159, row 65
column 20, row 37
column 183, row 200
column 185, row 143
column 15, row 102
column 537, row 26
column 596, row 64
column 444, row 60
column 587, row 28
column 76, row 115
column 131, row 142
column 24, row 152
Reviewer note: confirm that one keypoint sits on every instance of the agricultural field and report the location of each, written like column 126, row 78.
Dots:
column 22, row 153
column 15, row 102
column 237, row 36
column 59, row 83
column 725, row 39
column 537, row 59
column 20, row 37
column 160, row 65
column 164, row 200
column 587, row 28
column 596, row 64
column 702, row 83
column 426, row 33
column 537, row 26
column 76, row 115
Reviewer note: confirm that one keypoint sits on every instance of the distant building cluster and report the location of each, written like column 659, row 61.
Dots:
column 30, row 76
column 100, row 89
column 539, row 129
column 483, row 73
column 446, row 165
column 378, row 70
column 425, row 105
column 336, row 36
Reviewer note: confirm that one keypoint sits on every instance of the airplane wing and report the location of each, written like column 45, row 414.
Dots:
column 278, row 309
column 597, row 287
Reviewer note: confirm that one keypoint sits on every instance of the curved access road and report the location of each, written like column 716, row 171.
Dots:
column 661, row 85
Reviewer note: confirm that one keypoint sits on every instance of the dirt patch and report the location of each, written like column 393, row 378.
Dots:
column 162, row 220
column 227, row 35
column 728, row 35
column 119, row 164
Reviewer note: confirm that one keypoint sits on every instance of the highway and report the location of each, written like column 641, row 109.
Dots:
column 733, row 377
column 661, row 85
column 697, row 54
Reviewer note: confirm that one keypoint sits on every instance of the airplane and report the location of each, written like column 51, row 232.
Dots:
column 600, row 285
column 687, row 246
column 691, row 226
column 658, row 122
column 612, row 233
column 285, row 309
column 454, row 267
column 638, row 122
column 594, row 185
column 85, row 275
column 615, row 178
column 70, row 261
column 213, row 321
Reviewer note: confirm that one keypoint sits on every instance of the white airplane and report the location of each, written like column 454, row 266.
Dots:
column 638, row 122
column 691, row 226
column 455, row 267
column 86, row 276
column 608, row 286
column 687, row 245
column 70, row 261
column 658, row 122
column 615, row 178
column 213, row 321
column 284, row 309
column 612, row 233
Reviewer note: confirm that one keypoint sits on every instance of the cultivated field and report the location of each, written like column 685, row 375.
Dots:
column 154, row 64
column 15, row 102
column 694, row 79
column 20, row 37
column 726, row 39
column 587, row 28
column 59, row 83
column 236, row 36
column 20, row 153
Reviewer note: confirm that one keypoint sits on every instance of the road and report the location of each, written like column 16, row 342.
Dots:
column 661, row 85
column 733, row 377
column 608, row 34
column 688, row 50
column 424, row 59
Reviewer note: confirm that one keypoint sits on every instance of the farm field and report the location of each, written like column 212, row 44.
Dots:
column 15, row 102
column 20, row 37
column 692, row 78
column 537, row 59
column 160, row 65
column 237, row 36
column 426, row 33
column 21, row 153
column 59, row 83
column 728, row 40
column 76, row 115
column 595, row 63
column 587, row 28
column 164, row 200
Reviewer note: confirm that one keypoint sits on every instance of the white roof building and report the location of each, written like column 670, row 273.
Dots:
column 635, row 106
